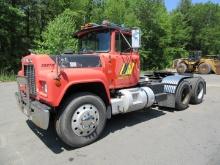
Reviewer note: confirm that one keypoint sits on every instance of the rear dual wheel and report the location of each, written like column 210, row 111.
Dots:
column 198, row 90
column 183, row 95
column 82, row 120
column 189, row 91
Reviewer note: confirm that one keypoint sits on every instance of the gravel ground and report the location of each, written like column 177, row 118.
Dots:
column 152, row 137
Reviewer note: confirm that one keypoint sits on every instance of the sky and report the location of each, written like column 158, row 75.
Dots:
column 172, row 4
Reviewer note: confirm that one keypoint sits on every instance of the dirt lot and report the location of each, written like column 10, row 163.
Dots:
column 150, row 137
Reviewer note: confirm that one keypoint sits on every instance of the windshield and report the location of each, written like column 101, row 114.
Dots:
column 97, row 41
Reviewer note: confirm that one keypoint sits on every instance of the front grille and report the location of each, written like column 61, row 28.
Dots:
column 30, row 74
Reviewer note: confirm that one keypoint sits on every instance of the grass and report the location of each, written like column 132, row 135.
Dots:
column 7, row 76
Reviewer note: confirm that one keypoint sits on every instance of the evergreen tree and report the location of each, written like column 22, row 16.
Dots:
column 58, row 35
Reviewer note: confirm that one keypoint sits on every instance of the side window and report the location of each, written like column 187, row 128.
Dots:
column 121, row 44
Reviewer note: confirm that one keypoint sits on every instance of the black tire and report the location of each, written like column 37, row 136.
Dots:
column 198, row 90
column 181, row 68
column 183, row 95
column 204, row 68
column 63, row 123
column 57, row 126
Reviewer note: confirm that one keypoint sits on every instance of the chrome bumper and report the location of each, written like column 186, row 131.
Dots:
column 37, row 112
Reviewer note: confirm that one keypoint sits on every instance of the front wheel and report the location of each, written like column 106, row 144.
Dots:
column 82, row 120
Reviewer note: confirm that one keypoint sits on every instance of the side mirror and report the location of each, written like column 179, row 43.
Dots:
column 136, row 38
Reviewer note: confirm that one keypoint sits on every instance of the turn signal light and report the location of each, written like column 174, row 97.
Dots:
column 57, row 82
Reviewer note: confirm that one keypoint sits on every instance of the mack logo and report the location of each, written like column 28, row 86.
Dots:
column 127, row 69
column 47, row 65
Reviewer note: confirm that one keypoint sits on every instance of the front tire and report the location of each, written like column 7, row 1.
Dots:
column 82, row 120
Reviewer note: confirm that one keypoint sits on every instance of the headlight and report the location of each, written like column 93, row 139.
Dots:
column 44, row 87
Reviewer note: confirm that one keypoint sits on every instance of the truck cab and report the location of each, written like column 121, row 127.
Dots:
column 121, row 63
column 84, row 89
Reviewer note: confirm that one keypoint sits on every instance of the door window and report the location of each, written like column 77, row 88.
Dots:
column 121, row 43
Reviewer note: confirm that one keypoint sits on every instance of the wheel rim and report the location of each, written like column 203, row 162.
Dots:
column 85, row 120
column 200, row 91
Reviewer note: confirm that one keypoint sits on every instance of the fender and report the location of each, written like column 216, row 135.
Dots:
column 96, row 76
column 171, row 82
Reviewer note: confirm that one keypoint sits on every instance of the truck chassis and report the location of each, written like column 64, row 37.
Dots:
column 163, row 89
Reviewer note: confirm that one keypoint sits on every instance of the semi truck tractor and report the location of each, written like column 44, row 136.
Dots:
column 79, row 92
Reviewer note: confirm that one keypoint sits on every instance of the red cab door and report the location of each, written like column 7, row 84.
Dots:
column 125, row 63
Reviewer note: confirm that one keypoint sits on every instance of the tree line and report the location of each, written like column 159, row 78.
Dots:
column 47, row 26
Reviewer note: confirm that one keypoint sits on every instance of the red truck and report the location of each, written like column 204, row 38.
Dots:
column 80, row 91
